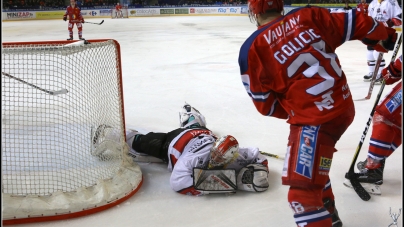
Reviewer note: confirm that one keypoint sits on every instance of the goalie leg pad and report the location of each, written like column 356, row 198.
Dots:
column 253, row 178
column 215, row 181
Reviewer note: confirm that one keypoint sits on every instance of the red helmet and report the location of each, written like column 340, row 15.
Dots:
column 261, row 6
column 224, row 151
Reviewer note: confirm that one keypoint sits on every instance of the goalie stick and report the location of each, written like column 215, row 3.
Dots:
column 62, row 91
column 94, row 23
column 379, row 60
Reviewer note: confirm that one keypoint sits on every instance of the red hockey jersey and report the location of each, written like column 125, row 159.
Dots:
column 289, row 67
column 74, row 14
column 363, row 7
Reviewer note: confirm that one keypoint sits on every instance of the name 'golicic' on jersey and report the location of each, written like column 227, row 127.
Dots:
column 289, row 67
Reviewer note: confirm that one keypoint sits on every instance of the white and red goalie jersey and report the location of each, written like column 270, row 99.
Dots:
column 191, row 149
column 290, row 69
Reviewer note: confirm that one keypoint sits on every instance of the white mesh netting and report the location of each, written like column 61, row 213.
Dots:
column 48, row 162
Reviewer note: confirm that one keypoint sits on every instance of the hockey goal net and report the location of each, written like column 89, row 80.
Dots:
column 62, row 131
column 120, row 14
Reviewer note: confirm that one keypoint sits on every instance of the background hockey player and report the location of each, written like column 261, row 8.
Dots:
column 386, row 129
column 118, row 11
column 389, row 12
column 363, row 7
column 290, row 70
column 194, row 147
column 75, row 17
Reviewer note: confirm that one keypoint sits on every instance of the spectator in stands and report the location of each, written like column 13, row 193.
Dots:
column 347, row 7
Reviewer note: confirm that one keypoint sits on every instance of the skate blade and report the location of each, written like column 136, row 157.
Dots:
column 370, row 188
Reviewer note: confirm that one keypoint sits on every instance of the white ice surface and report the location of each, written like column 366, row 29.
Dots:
column 169, row 60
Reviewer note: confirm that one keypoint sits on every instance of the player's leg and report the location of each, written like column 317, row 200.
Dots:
column 310, row 153
column 70, row 29
column 80, row 30
column 329, row 204
column 385, row 139
column 154, row 144
column 371, row 61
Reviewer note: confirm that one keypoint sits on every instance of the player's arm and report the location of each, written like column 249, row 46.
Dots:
column 263, row 98
column 353, row 25
column 80, row 16
column 66, row 13
column 392, row 73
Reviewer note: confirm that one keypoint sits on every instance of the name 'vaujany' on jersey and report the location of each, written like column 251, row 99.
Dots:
column 289, row 66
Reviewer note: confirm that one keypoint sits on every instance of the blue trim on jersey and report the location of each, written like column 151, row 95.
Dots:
column 313, row 216
column 349, row 25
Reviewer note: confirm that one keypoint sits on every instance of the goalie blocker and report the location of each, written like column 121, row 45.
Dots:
column 253, row 177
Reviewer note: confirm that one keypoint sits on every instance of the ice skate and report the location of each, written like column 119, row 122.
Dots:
column 71, row 38
column 368, row 78
column 106, row 142
column 131, row 135
column 81, row 38
column 370, row 179
column 190, row 117
column 330, row 205
column 373, row 176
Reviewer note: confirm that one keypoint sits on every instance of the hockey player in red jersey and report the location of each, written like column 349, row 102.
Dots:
column 389, row 12
column 193, row 146
column 75, row 17
column 363, row 7
column 386, row 129
column 290, row 70
column 118, row 11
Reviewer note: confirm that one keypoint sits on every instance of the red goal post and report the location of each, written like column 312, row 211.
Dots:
column 122, row 14
column 56, row 163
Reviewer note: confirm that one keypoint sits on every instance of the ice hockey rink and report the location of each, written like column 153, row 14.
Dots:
column 167, row 61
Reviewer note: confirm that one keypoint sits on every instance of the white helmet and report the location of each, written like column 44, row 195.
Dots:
column 189, row 117
column 223, row 151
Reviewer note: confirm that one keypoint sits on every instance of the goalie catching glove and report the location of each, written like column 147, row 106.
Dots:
column 253, row 178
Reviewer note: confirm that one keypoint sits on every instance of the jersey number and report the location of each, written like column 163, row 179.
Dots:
column 315, row 68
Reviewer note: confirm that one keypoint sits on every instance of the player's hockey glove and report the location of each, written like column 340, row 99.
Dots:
column 392, row 22
column 253, row 177
column 383, row 45
column 64, row 18
column 82, row 20
column 390, row 75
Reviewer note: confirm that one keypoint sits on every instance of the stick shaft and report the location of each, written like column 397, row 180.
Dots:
column 63, row 91
column 272, row 155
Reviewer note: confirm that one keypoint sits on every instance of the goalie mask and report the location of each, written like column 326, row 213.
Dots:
column 223, row 151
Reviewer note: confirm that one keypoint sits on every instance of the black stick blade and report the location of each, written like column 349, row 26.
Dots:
column 362, row 193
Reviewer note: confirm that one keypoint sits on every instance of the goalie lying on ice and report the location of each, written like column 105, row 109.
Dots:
column 201, row 162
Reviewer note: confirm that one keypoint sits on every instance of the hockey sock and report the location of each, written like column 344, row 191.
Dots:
column 372, row 163
column 371, row 60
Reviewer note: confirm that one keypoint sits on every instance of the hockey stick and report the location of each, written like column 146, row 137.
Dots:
column 63, row 91
column 379, row 60
column 94, row 23
column 272, row 155
column 351, row 175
